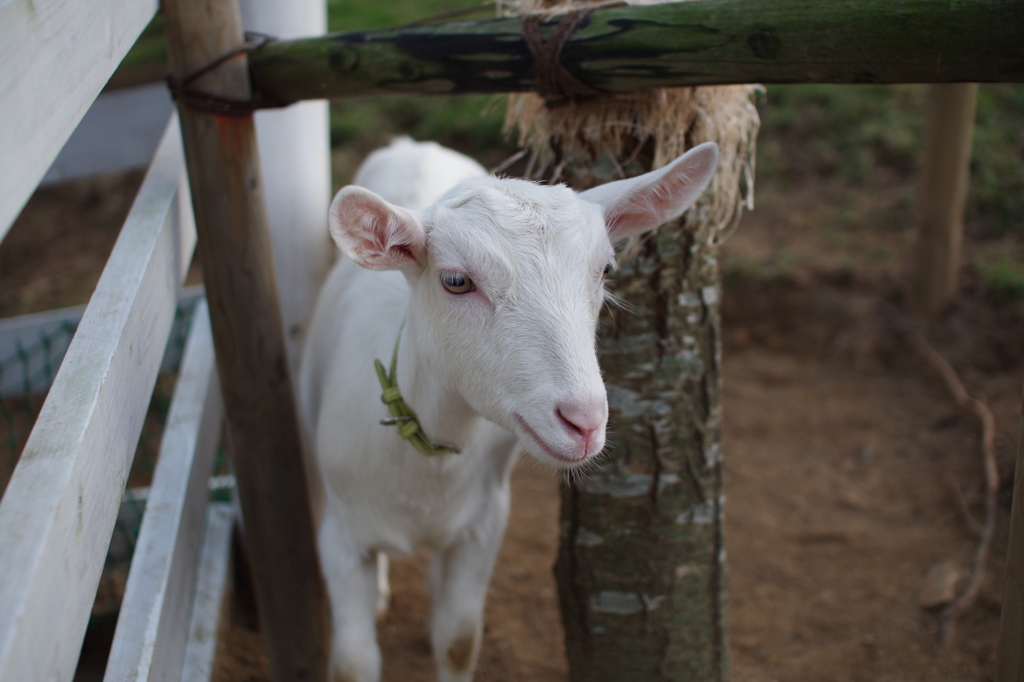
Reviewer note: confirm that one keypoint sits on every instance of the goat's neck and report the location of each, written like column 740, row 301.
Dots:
column 445, row 416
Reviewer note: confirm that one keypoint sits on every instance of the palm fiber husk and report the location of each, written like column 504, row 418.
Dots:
column 621, row 135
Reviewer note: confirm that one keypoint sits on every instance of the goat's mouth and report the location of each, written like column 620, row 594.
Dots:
column 550, row 451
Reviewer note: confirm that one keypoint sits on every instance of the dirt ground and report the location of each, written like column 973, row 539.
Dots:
column 849, row 473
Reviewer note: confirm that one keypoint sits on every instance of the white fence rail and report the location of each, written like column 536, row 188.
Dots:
column 60, row 506
column 55, row 57
column 210, row 592
column 149, row 642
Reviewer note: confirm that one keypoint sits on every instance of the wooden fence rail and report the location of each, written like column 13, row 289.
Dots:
column 55, row 57
column 704, row 42
column 59, row 509
column 149, row 643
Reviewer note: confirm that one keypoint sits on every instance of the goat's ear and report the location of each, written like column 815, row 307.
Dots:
column 374, row 233
column 639, row 204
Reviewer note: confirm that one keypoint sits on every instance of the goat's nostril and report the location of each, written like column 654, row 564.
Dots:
column 570, row 423
column 584, row 426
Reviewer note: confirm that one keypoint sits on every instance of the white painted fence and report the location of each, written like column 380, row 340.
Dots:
column 60, row 506
column 55, row 56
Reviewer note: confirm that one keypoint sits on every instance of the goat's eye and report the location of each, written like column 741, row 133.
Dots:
column 457, row 283
column 607, row 270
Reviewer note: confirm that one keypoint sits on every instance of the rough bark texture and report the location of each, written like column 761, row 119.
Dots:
column 641, row 567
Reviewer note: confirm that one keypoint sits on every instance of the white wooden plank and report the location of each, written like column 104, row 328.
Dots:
column 28, row 364
column 120, row 131
column 58, row 512
column 210, row 591
column 149, row 641
column 55, row 57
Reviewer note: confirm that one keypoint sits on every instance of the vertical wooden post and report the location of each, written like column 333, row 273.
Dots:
column 1010, row 654
column 641, row 565
column 252, row 359
column 940, row 206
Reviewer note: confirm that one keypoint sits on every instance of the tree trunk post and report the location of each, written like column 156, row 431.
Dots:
column 641, row 566
column 940, row 206
column 252, row 358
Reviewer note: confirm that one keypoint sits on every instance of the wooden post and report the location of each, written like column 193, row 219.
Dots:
column 641, row 566
column 1010, row 654
column 252, row 359
column 940, row 205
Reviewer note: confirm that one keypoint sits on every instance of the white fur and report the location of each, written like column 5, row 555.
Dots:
column 510, row 366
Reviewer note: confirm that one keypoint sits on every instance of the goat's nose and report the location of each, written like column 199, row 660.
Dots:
column 584, row 423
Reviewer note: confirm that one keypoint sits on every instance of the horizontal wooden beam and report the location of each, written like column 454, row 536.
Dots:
column 704, row 42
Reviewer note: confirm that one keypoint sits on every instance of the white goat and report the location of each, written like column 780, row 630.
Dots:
column 488, row 301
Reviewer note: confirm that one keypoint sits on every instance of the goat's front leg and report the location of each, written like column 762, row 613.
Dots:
column 352, row 587
column 383, row 586
column 458, row 583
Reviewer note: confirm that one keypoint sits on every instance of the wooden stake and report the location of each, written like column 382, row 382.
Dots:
column 947, row 156
column 227, row 195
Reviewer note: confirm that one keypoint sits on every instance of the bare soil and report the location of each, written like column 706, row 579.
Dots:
column 849, row 473
column 54, row 253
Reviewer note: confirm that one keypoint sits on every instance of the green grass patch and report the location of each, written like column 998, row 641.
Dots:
column 149, row 48
column 853, row 131
column 845, row 130
column 1002, row 278
column 470, row 123
column 995, row 203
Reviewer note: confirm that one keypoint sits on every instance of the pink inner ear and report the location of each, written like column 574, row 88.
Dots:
column 629, row 218
column 375, row 234
column 389, row 237
column 665, row 196
column 650, row 206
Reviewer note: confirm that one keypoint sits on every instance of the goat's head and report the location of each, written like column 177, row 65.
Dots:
column 507, row 280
